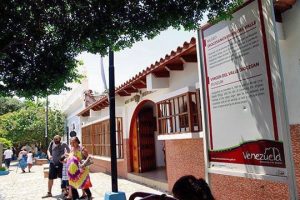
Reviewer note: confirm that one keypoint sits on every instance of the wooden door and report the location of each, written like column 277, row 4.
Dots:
column 146, row 126
column 134, row 146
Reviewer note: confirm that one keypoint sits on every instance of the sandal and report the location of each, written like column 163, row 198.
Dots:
column 68, row 198
column 47, row 195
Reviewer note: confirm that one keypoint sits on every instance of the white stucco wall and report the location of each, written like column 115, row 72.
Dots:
column 159, row 154
column 188, row 77
column 290, row 57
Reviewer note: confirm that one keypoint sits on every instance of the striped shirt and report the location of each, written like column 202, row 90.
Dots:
column 64, row 172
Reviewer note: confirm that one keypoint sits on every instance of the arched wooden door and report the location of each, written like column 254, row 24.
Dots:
column 142, row 140
column 135, row 147
column 146, row 140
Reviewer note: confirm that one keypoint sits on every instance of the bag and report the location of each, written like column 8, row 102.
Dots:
column 87, row 162
column 50, row 149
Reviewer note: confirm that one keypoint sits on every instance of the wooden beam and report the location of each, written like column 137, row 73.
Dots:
column 133, row 87
column 177, row 67
column 123, row 93
column 131, row 90
column 97, row 108
column 189, row 58
column 139, row 85
column 167, row 68
column 162, row 74
column 143, row 82
column 85, row 114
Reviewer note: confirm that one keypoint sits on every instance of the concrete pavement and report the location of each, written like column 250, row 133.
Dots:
column 29, row 186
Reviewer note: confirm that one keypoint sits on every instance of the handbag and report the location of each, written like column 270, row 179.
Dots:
column 86, row 162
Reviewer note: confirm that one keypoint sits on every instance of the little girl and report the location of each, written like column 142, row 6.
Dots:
column 64, row 179
column 29, row 160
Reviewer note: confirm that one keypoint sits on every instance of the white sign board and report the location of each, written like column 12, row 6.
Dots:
column 243, row 109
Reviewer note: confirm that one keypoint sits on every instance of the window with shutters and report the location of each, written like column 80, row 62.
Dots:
column 180, row 114
column 96, row 138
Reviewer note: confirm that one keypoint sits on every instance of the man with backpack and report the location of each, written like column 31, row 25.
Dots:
column 55, row 150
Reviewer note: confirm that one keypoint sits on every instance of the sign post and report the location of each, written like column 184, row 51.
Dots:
column 246, row 122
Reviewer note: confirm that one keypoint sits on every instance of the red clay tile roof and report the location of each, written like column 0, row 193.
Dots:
column 172, row 61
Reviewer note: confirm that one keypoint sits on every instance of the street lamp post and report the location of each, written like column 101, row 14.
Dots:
column 115, row 194
column 112, row 117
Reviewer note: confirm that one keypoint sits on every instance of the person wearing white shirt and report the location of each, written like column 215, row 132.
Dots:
column 7, row 157
column 29, row 160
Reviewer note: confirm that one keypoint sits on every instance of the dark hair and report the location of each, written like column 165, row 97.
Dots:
column 190, row 188
column 62, row 158
column 76, row 139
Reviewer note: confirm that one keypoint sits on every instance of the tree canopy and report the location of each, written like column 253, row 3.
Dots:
column 39, row 40
column 27, row 125
column 9, row 105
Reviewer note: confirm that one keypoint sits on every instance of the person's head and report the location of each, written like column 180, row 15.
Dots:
column 74, row 141
column 190, row 188
column 57, row 139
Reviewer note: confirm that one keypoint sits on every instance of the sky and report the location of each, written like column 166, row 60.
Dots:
column 130, row 61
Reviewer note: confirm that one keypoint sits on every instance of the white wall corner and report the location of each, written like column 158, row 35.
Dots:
column 154, row 83
column 280, row 31
column 94, row 113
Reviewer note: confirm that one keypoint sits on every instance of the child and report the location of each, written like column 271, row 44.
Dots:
column 29, row 160
column 64, row 179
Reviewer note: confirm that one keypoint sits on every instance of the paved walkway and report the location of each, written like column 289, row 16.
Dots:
column 31, row 186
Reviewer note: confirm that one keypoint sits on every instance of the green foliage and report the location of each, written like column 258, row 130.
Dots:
column 225, row 14
column 2, row 168
column 119, row 24
column 40, row 39
column 6, row 143
column 27, row 125
column 9, row 105
column 37, row 52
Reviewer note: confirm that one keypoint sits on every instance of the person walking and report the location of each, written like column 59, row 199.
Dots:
column 78, row 174
column 29, row 160
column 8, row 153
column 55, row 150
column 22, row 159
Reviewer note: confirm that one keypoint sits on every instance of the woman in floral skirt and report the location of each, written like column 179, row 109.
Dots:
column 78, row 175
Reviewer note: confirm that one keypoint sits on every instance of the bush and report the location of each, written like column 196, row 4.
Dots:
column 2, row 168
column 6, row 143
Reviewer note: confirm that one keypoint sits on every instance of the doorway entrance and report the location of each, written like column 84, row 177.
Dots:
column 147, row 159
column 143, row 138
